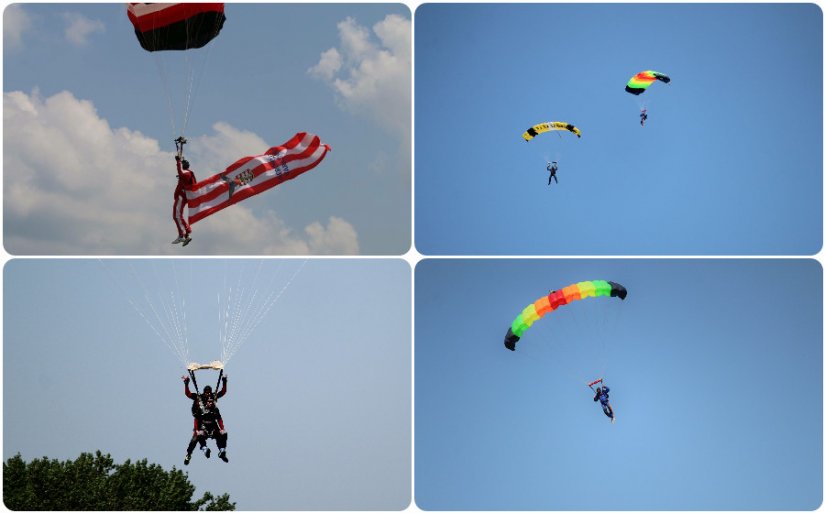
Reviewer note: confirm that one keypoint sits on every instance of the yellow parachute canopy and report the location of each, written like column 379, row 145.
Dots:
column 549, row 126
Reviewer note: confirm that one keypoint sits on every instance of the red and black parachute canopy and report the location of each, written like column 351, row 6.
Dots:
column 175, row 26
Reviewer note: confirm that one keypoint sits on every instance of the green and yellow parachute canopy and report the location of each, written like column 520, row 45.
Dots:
column 639, row 82
column 557, row 298
column 548, row 127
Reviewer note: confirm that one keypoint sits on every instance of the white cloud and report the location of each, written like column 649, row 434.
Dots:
column 370, row 77
column 16, row 22
column 75, row 185
column 328, row 66
column 79, row 28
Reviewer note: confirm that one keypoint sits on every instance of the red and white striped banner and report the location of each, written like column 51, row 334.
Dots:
column 253, row 175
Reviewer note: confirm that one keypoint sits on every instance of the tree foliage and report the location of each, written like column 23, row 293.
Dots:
column 96, row 483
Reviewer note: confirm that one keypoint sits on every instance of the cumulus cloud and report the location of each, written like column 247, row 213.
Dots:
column 16, row 22
column 79, row 28
column 75, row 185
column 372, row 75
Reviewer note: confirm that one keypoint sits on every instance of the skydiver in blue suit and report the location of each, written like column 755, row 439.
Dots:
column 603, row 397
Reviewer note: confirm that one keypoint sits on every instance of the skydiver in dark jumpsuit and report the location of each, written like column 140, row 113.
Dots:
column 552, row 167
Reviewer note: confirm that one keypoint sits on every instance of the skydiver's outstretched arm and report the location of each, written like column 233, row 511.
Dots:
column 186, row 391
column 222, row 391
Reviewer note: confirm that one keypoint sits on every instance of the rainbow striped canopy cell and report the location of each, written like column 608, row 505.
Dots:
column 639, row 82
column 557, row 298
column 548, row 127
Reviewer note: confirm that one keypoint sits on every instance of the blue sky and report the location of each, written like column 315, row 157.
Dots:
column 318, row 407
column 730, row 161
column 715, row 368
column 88, row 165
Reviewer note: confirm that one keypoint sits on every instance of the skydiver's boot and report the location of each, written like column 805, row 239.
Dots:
column 222, row 455
column 206, row 451
column 178, row 240
column 187, row 458
column 187, row 240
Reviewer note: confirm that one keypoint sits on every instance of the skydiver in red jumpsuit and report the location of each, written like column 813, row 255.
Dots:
column 186, row 179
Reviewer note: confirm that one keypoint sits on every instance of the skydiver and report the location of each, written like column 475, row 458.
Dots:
column 643, row 116
column 186, row 179
column 199, row 400
column 208, row 424
column 200, row 408
column 602, row 396
column 552, row 167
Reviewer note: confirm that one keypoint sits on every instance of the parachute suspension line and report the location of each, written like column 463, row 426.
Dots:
column 221, row 309
column 235, row 314
column 164, row 326
column 170, row 104
column 260, row 313
column 172, row 319
column 242, row 329
column 183, row 294
column 227, row 314
column 194, row 77
column 170, row 308
column 188, row 86
column 156, row 326
column 239, row 323
column 240, row 308
column 195, row 81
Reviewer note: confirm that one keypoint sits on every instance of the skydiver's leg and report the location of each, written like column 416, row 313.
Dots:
column 184, row 218
column 192, row 443
column 177, row 216
column 220, row 440
column 608, row 410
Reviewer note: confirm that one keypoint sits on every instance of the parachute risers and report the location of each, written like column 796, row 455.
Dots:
column 557, row 298
column 214, row 365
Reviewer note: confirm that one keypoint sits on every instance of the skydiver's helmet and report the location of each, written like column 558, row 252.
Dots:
column 207, row 390
column 598, row 390
column 184, row 164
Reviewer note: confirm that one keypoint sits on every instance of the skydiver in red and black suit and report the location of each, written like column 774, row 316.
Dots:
column 206, row 415
column 186, row 179
column 209, row 424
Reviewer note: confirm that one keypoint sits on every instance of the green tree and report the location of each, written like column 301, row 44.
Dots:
column 96, row 483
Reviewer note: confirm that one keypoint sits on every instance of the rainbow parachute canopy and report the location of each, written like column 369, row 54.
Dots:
column 549, row 126
column 557, row 298
column 639, row 82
